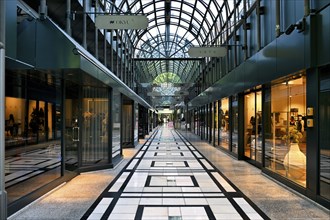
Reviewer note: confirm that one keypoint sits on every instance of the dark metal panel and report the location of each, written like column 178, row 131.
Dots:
column 291, row 55
column 11, row 28
column 323, row 43
column 293, row 8
column 268, row 22
column 26, row 41
column 312, row 139
column 53, row 48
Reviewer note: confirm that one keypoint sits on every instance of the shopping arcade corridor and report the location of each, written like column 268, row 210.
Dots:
column 72, row 199
column 170, row 179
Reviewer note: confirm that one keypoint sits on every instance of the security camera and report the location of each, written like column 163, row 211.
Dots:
column 289, row 30
column 300, row 27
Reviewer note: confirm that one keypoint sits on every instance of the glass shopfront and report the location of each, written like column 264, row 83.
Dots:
column 212, row 140
column 234, row 115
column 216, row 123
column 324, row 129
column 224, row 131
column 202, row 122
column 252, row 126
column 94, row 136
column 285, row 128
column 116, row 117
column 32, row 132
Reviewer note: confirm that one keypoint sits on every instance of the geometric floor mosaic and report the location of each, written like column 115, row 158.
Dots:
column 168, row 179
column 27, row 165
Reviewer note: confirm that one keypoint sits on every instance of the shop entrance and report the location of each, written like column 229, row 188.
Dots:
column 72, row 126
column 253, row 127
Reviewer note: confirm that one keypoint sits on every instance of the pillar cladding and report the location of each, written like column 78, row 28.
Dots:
column 3, row 194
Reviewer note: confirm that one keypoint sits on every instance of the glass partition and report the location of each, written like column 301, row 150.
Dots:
column 94, row 136
column 127, row 122
column 216, row 123
column 253, row 126
column 116, row 118
column 224, row 133
column 285, row 140
column 32, row 150
column 234, row 134
column 324, row 135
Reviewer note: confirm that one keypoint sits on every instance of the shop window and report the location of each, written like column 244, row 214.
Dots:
column 285, row 141
column 216, row 123
column 234, row 124
column 32, row 155
column 253, row 126
column 94, row 138
column 324, row 134
column 224, row 133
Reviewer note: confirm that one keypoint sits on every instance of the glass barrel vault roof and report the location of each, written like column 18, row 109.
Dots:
column 174, row 26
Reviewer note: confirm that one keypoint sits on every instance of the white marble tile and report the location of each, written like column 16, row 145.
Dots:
column 173, row 201
column 114, row 216
column 151, row 201
column 174, row 211
column 195, row 201
column 128, row 201
column 155, row 211
column 125, row 209
column 223, row 182
column 132, row 164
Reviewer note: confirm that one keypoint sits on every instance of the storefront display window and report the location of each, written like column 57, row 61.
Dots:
column 216, row 123
column 234, row 105
column 253, row 126
column 324, row 134
column 116, row 118
column 32, row 141
column 224, row 133
column 285, row 140
column 212, row 123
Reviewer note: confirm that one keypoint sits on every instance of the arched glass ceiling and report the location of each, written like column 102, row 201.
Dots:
column 174, row 26
column 166, row 78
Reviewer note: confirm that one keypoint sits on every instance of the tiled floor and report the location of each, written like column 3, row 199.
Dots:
column 173, row 189
column 169, row 179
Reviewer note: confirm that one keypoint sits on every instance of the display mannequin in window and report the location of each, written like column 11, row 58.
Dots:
column 292, row 121
column 12, row 126
column 300, row 124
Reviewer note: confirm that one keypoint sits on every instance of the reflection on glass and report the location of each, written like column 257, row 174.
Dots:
column 235, row 124
column 212, row 123
column 94, row 136
column 127, row 139
column 116, row 116
column 224, row 133
column 216, row 123
column 324, row 135
column 285, row 140
column 252, row 126
column 32, row 155
column 72, row 127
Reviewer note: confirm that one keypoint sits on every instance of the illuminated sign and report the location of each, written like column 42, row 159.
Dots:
column 120, row 22
column 207, row 51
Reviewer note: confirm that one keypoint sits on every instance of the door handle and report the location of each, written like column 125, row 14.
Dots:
column 75, row 134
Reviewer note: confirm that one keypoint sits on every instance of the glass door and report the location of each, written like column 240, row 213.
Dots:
column 72, row 126
column 234, row 114
column 253, row 126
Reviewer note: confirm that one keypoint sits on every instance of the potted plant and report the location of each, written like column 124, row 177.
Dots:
column 295, row 160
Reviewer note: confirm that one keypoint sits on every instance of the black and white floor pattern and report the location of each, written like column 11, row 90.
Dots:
column 24, row 166
column 169, row 179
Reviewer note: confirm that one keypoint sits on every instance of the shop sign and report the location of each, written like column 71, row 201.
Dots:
column 121, row 22
column 207, row 51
